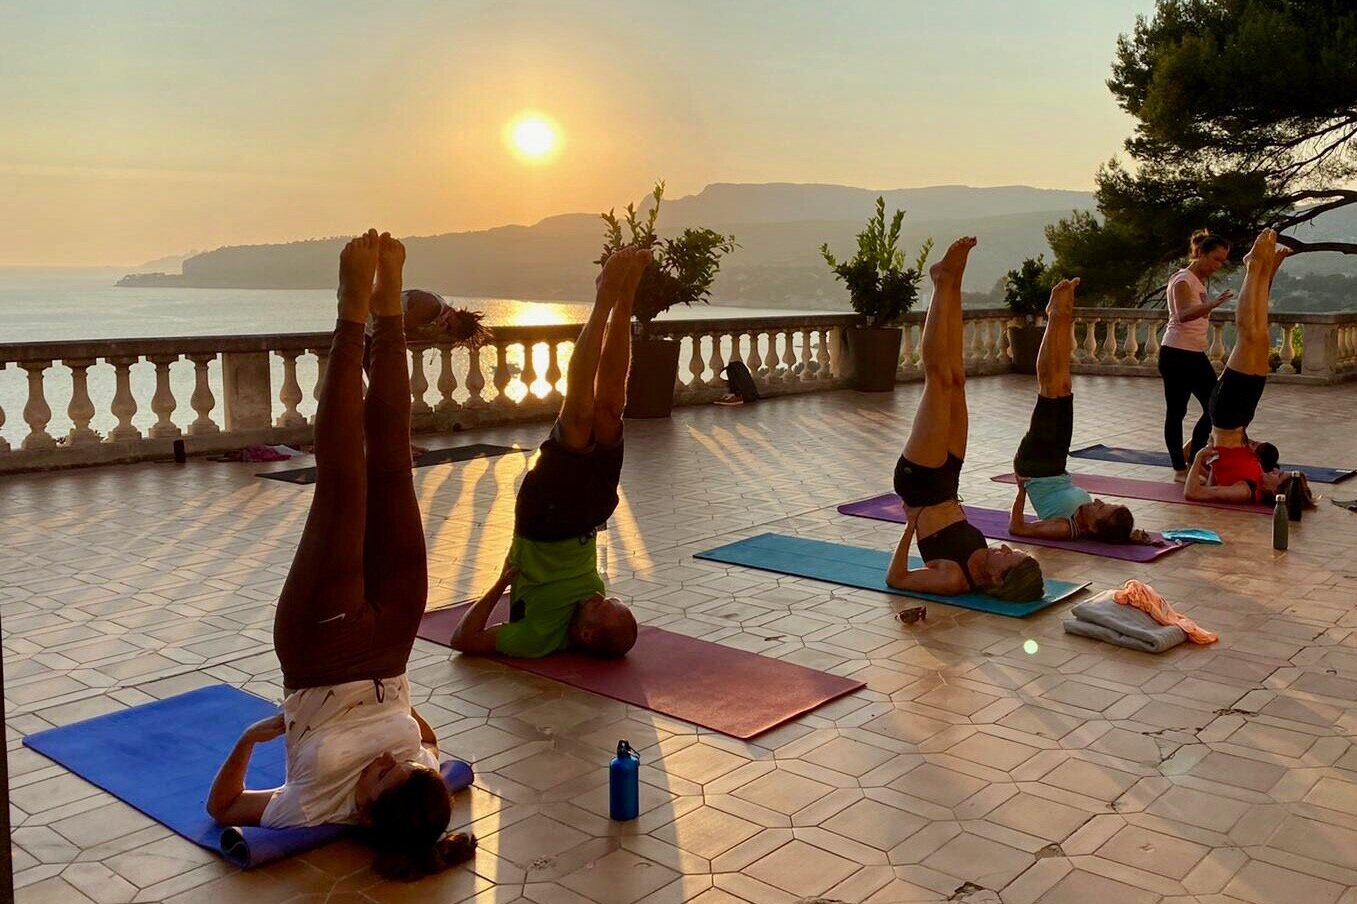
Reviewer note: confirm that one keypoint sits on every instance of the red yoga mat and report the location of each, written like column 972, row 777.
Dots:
column 1155, row 490
column 718, row 687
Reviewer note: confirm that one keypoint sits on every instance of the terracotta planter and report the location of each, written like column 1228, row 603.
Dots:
column 650, row 384
column 873, row 357
column 1024, row 342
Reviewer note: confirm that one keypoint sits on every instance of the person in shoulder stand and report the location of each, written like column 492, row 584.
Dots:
column 557, row 598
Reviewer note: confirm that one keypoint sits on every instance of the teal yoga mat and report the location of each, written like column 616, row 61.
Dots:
column 853, row 566
column 161, row 758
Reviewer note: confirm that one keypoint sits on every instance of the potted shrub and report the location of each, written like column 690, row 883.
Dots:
column 881, row 289
column 683, row 271
column 1026, row 292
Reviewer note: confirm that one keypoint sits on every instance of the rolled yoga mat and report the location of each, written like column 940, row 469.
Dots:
column 1153, row 490
column 1099, row 452
column 993, row 523
column 853, row 566
column 732, row 691
column 161, row 758
column 431, row 457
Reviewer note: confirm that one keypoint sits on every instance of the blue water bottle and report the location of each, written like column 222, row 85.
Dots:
column 624, row 784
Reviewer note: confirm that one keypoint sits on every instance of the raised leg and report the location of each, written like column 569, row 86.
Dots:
column 1252, row 343
column 1053, row 360
column 610, row 383
column 395, row 566
column 325, row 582
column 940, row 423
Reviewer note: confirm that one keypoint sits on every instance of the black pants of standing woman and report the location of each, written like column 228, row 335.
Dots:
column 1186, row 374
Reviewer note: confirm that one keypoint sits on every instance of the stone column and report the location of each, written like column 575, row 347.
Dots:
column 246, row 384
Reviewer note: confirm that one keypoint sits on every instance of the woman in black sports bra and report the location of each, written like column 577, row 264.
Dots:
column 958, row 560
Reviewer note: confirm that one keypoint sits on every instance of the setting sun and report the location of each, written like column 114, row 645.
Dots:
column 533, row 138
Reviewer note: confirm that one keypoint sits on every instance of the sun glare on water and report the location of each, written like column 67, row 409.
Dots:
column 533, row 138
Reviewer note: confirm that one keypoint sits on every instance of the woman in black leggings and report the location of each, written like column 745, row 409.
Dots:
column 1183, row 363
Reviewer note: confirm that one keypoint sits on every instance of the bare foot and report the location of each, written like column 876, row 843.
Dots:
column 1283, row 252
column 1062, row 298
column 357, row 262
column 386, row 295
column 1262, row 257
column 622, row 273
column 953, row 263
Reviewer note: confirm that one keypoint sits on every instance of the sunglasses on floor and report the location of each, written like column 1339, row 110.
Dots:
column 911, row 615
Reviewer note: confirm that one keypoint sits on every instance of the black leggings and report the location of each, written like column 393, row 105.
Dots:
column 1186, row 374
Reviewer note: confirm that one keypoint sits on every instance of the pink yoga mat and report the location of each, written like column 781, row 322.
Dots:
column 718, row 687
column 993, row 523
column 1154, row 490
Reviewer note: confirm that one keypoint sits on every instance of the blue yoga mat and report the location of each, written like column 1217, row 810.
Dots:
column 161, row 758
column 853, row 566
column 1099, row 452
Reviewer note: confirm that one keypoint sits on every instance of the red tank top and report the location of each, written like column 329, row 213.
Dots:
column 1236, row 464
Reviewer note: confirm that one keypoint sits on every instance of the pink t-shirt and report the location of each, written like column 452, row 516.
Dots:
column 1190, row 336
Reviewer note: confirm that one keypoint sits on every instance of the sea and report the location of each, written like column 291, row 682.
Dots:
column 58, row 304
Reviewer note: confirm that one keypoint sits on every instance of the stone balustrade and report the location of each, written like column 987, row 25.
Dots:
column 1118, row 341
column 125, row 400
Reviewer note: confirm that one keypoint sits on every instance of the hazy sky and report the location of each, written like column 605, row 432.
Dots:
column 138, row 129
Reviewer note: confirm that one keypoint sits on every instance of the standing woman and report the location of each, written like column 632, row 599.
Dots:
column 1183, row 363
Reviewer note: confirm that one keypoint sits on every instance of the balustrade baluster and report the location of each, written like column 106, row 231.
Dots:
column 553, row 371
column 695, row 363
column 475, row 380
column 37, row 413
column 447, row 381
column 824, row 358
column 290, row 394
column 529, row 372
column 124, row 404
column 202, row 400
column 502, row 375
column 906, row 351
column 1151, row 358
column 1288, row 350
column 770, row 359
column 1131, row 353
column 717, row 363
column 419, row 383
column 1109, row 352
column 807, row 374
column 81, row 408
column 788, row 370
column 163, row 402
column 1217, row 350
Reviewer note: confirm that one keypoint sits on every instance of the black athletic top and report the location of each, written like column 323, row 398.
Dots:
column 955, row 543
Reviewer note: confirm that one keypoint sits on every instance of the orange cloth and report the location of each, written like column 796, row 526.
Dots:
column 1145, row 598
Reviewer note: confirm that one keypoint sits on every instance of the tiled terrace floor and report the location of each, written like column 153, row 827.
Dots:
column 967, row 770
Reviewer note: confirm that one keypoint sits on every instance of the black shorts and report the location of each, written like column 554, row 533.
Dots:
column 1234, row 401
column 919, row 486
column 1045, row 450
column 569, row 492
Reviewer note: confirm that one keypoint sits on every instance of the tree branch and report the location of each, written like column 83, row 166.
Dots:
column 1299, row 247
column 1310, row 213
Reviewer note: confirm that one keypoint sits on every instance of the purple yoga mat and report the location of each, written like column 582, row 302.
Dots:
column 1154, row 490
column 993, row 523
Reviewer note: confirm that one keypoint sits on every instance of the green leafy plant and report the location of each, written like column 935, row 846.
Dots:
column 684, row 267
column 880, row 287
column 1028, row 288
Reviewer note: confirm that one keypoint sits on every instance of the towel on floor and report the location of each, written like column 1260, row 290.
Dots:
column 1103, row 618
column 1147, row 599
column 1193, row 535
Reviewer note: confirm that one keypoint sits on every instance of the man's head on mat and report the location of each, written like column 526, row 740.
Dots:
column 603, row 626
column 1104, row 521
column 405, row 809
column 1007, row 574
column 1268, row 456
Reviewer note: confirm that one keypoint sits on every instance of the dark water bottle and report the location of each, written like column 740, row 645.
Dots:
column 624, row 784
column 1280, row 528
column 1295, row 497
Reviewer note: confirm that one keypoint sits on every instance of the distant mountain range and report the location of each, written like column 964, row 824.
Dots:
column 779, row 228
